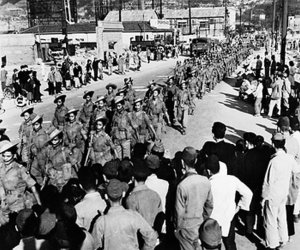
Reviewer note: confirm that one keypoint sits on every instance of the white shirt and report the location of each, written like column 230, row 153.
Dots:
column 296, row 135
column 88, row 208
column 224, row 188
column 159, row 186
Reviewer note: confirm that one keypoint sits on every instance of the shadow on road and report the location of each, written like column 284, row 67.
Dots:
column 269, row 130
column 232, row 101
column 230, row 81
column 234, row 134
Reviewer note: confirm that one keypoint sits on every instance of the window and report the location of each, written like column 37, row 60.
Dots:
column 203, row 25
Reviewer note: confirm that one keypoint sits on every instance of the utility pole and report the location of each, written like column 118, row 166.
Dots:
column 160, row 10
column 190, row 18
column 120, row 10
column 225, row 17
column 64, row 27
column 273, row 22
column 285, row 6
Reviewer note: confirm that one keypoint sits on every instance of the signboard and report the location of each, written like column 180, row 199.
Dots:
column 160, row 23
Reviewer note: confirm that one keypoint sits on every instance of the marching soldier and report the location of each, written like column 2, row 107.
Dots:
column 193, row 89
column 39, row 138
column 127, row 106
column 101, row 109
column 59, row 118
column 14, row 182
column 156, row 110
column 102, row 148
column 130, row 92
column 183, row 102
column 170, row 94
column 87, row 110
column 74, row 134
column 60, row 164
column 142, row 124
column 109, row 97
column 121, row 129
column 24, row 132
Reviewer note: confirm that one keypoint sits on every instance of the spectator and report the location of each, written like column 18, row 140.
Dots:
column 275, row 192
column 119, row 227
column 149, row 208
column 191, row 212
column 92, row 204
column 224, row 189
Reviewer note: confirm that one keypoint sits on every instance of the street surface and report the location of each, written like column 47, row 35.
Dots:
column 221, row 105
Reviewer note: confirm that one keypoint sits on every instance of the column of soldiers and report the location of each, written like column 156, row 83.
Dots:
column 110, row 127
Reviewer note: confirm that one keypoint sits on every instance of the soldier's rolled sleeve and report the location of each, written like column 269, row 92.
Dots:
column 30, row 182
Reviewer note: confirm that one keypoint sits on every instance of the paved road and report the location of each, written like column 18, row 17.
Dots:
column 157, row 71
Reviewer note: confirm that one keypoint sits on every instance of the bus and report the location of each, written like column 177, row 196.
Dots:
column 199, row 46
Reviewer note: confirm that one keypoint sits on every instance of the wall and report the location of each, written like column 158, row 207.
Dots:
column 18, row 48
column 109, row 32
column 83, row 37
column 126, row 36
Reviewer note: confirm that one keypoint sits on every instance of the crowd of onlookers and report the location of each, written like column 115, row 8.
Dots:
column 126, row 191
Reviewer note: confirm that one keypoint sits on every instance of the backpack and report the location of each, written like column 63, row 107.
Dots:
column 275, row 93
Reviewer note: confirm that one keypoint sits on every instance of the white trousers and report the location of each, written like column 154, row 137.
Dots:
column 275, row 224
column 272, row 105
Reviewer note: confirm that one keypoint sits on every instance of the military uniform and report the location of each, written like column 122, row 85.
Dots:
column 14, row 181
column 170, row 94
column 121, row 133
column 101, row 148
column 24, row 134
column 142, row 125
column 155, row 110
column 193, row 89
column 74, row 135
column 86, row 113
column 60, row 165
column 59, row 118
column 130, row 95
column 110, row 100
column 183, row 103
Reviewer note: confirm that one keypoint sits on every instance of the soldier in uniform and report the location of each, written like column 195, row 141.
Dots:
column 149, row 93
column 24, row 132
column 142, row 124
column 102, row 149
column 109, row 97
column 193, row 89
column 101, row 109
column 127, row 106
column 14, row 182
column 61, row 166
column 38, row 140
column 59, row 118
column 121, row 129
column 170, row 93
column 130, row 92
column 87, row 110
column 74, row 134
column 156, row 110
column 183, row 101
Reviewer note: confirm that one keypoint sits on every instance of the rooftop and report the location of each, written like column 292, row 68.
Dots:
column 137, row 26
column 131, row 15
column 196, row 12
column 54, row 29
